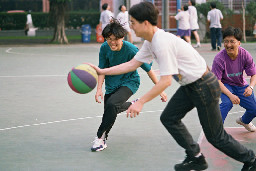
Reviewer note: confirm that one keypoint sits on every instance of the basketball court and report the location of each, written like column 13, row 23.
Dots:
column 44, row 125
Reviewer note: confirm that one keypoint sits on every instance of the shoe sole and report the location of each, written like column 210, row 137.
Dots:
column 194, row 167
column 98, row 149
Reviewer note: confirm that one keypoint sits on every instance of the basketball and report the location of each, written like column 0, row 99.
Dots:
column 82, row 78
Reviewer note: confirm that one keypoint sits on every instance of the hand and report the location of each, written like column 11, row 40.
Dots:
column 98, row 93
column 234, row 99
column 98, row 70
column 134, row 109
column 163, row 96
column 247, row 91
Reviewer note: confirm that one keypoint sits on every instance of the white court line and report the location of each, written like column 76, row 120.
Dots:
column 29, row 76
column 65, row 120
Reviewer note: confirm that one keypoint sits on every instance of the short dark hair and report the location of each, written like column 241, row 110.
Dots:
column 185, row 7
column 105, row 6
column 213, row 4
column 145, row 11
column 114, row 28
column 193, row 2
column 232, row 31
column 120, row 7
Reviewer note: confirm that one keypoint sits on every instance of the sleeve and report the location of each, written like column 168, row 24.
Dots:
column 221, row 16
column 217, row 68
column 101, row 17
column 144, row 55
column 250, row 68
column 146, row 67
column 103, row 63
column 177, row 17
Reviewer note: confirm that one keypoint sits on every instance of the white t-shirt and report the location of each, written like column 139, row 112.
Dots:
column 214, row 16
column 193, row 18
column 105, row 18
column 183, row 17
column 123, row 18
column 174, row 56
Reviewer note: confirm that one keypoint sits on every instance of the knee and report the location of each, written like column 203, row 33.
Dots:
column 227, row 105
column 166, row 119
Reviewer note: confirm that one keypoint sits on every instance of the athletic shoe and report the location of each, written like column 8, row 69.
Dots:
column 250, row 127
column 99, row 144
column 197, row 46
column 135, row 100
column 194, row 163
column 218, row 48
column 249, row 166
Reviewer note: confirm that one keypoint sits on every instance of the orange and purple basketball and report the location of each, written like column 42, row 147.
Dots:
column 82, row 79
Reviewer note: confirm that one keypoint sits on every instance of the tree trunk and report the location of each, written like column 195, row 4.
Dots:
column 244, row 22
column 58, row 14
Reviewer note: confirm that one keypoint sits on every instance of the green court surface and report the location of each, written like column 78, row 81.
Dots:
column 44, row 125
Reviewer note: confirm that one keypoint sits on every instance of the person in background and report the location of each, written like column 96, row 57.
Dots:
column 105, row 16
column 123, row 18
column 184, row 26
column 194, row 21
column 214, row 17
column 229, row 66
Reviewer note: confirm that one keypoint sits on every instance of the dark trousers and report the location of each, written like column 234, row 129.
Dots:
column 216, row 35
column 203, row 94
column 114, row 103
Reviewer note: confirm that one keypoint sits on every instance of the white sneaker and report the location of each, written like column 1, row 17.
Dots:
column 197, row 46
column 250, row 127
column 99, row 144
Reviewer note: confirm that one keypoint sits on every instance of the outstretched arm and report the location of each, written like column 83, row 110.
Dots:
column 123, row 68
column 248, row 91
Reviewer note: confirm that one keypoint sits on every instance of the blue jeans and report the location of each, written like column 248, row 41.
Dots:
column 216, row 35
column 248, row 103
column 114, row 103
column 203, row 94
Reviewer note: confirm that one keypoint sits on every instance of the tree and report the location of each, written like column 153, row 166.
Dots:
column 58, row 9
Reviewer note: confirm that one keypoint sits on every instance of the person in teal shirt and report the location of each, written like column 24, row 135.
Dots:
column 119, row 88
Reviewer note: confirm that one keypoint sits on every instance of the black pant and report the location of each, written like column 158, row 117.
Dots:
column 215, row 35
column 114, row 103
column 203, row 94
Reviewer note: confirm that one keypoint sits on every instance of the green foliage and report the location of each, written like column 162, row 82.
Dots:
column 10, row 21
column 17, row 21
column 251, row 12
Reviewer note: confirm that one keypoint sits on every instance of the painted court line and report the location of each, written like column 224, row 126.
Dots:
column 65, row 120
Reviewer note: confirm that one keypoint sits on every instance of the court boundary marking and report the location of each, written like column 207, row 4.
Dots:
column 90, row 117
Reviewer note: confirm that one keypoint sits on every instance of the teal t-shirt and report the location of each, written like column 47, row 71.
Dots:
column 109, row 58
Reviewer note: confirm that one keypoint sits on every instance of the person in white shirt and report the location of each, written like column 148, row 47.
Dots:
column 123, row 18
column 105, row 16
column 184, row 26
column 199, row 88
column 214, row 17
column 194, row 21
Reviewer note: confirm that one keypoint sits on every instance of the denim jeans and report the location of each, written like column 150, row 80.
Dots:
column 215, row 35
column 203, row 94
column 248, row 103
column 114, row 103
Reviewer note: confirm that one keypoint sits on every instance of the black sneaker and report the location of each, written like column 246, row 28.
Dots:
column 249, row 166
column 218, row 48
column 195, row 163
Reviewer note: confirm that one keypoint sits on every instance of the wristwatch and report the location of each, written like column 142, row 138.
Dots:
column 251, row 87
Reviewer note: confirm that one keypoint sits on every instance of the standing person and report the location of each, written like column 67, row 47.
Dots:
column 214, row 16
column 193, row 20
column 229, row 66
column 105, row 16
column 184, row 26
column 119, row 88
column 123, row 18
column 199, row 88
